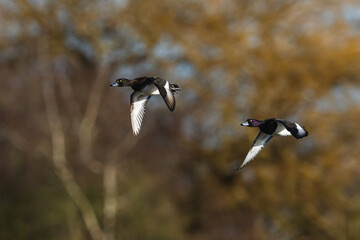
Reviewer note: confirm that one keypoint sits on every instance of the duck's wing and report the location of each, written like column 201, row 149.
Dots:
column 137, row 110
column 258, row 144
column 294, row 128
column 165, row 92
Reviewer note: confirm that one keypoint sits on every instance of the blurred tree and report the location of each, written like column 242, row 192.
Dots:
column 72, row 169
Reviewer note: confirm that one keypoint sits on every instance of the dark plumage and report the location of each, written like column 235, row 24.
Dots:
column 144, row 88
column 269, row 128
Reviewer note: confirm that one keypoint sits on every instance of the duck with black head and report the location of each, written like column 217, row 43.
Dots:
column 270, row 128
column 144, row 88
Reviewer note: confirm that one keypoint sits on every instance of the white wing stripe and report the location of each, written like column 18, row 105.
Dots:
column 251, row 154
column 138, row 104
column 300, row 129
column 169, row 95
column 259, row 143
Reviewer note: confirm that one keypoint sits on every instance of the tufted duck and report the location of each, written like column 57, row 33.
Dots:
column 144, row 88
column 270, row 128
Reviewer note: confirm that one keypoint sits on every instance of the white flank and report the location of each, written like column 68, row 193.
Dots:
column 150, row 90
column 284, row 132
column 281, row 130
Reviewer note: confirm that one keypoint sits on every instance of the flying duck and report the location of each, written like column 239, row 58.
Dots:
column 144, row 88
column 270, row 128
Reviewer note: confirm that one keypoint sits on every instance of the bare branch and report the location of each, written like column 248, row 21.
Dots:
column 88, row 122
column 68, row 96
column 18, row 141
column 110, row 182
column 59, row 158
column 110, row 198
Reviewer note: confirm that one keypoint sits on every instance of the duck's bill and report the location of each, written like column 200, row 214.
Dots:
column 245, row 124
column 115, row 84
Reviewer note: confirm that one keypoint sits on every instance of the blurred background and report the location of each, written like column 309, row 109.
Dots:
column 71, row 169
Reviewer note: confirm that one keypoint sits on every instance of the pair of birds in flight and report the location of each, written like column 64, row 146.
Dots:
column 145, row 87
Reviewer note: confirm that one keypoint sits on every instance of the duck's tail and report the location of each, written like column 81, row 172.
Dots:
column 175, row 88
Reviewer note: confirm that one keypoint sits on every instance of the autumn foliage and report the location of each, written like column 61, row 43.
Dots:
column 71, row 169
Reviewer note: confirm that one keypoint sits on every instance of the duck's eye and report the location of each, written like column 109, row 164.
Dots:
column 120, row 80
column 250, row 120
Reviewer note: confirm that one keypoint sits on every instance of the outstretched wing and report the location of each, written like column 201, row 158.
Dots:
column 165, row 92
column 258, row 144
column 137, row 110
column 294, row 128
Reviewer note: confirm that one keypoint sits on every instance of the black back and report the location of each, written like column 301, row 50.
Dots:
column 269, row 126
column 139, row 83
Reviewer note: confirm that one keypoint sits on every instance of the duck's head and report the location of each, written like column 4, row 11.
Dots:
column 251, row 123
column 121, row 82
